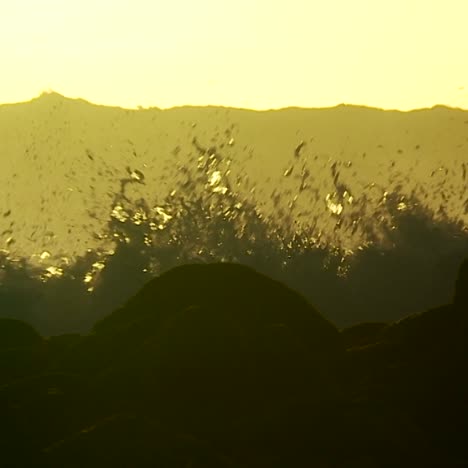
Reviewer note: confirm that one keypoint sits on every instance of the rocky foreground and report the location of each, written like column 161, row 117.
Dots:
column 216, row 365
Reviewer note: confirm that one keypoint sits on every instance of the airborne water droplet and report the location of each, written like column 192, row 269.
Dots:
column 288, row 171
column 137, row 175
column 44, row 255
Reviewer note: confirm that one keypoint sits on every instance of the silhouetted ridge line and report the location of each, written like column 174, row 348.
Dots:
column 438, row 328
column 249, row 297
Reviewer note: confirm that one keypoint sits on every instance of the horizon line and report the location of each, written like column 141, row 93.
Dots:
column 152, row 107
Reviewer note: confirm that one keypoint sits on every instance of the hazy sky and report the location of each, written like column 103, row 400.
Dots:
column 258, row 54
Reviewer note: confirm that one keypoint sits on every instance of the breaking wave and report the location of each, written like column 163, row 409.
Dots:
column 357, row 252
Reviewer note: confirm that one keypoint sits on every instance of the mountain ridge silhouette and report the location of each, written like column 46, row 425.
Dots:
column 55, row 96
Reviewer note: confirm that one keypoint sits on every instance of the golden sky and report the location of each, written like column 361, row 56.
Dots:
column 260, row 54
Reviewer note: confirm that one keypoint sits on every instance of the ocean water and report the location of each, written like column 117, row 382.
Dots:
column 365, row 212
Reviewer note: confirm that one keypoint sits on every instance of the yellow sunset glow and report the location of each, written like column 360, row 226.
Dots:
column 259, row 54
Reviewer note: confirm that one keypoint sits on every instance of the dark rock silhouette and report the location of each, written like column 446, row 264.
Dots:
column 217, row 350
column 17, row 334
column 218, row 365
column 461, row 288
column 362, row 334
column 21, row 350
column 260, row 301
column 420, row 363
column 142, row 443
column 440, row 328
